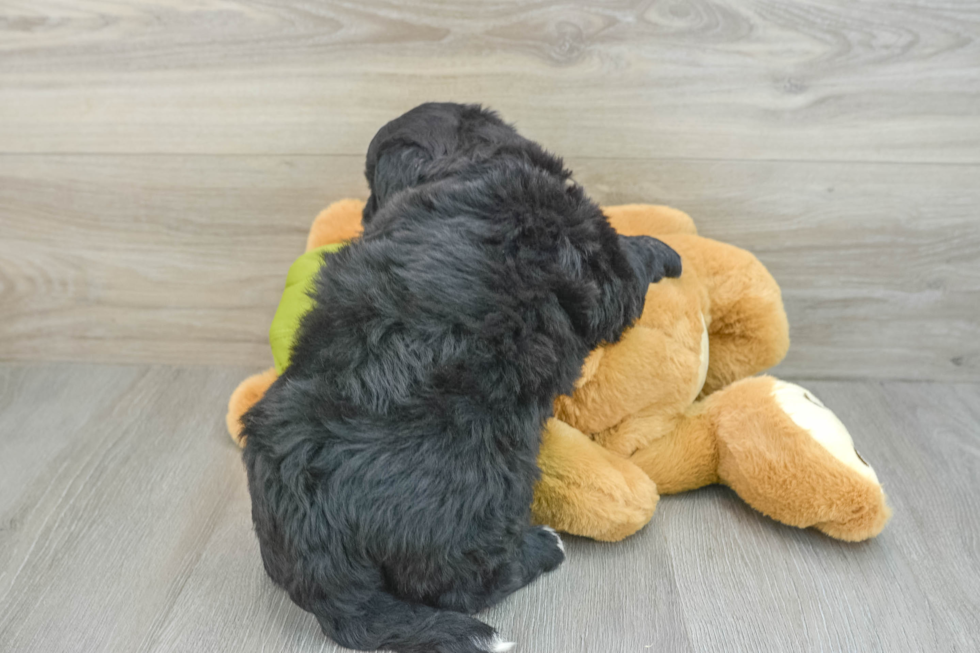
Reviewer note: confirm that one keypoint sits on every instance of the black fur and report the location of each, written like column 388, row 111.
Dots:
column 391, row 466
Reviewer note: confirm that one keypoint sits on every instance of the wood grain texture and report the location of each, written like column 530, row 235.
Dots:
column 124, row 526
column 181, row 259
column 160, row 160
column 770, row 588
column 812, row 79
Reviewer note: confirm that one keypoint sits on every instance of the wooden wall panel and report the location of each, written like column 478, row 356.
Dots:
column 828, row 80
column 160, row 160
column 181, row 259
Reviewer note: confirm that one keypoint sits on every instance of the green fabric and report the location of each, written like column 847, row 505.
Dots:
column 295, row 303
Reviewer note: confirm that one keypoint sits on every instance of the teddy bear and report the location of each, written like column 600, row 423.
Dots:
column 673, row 405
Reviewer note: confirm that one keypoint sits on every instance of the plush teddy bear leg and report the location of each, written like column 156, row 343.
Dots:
column 789, row 457
column 586, row 490
column 244, row 397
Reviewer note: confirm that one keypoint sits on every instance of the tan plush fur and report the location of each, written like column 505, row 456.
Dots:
column 748, row 331
column 783, row 472
column 338, row 222
column 587, row 489
column 739, row 436
column 244, row 397
column 641, row 423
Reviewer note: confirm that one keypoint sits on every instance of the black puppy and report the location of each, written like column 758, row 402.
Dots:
column 391, row 466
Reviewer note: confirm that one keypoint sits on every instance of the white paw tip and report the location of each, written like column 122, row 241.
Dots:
column 561, row 545
column 497, row 645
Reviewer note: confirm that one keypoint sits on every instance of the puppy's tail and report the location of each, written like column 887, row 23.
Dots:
column 382, row 621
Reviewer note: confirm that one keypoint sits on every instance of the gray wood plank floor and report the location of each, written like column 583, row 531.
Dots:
column 124, row 526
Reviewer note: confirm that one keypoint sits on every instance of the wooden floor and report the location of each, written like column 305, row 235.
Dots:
column 160, row 163
column 124, row 526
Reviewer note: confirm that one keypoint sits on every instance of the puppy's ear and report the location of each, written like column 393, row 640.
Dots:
column 651, row 259
column 392, row 166
column 602, row 292
column 402, row 149
column 370, row 208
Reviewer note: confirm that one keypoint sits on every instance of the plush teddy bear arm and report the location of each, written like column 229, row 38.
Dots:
column 748, row 331
column 244, row 397
column 685, row 457
column 338, row 222
column 587, row 490
column 648, row 220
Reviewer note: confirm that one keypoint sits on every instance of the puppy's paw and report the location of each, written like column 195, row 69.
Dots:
column 494, row 645
column 546, row 549
column 549, row 529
